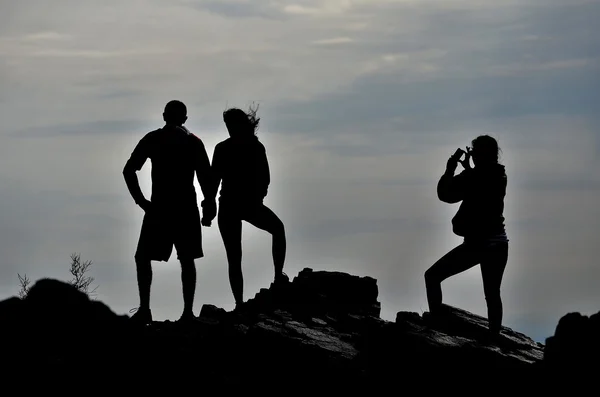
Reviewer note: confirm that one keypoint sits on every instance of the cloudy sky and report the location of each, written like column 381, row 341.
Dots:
column 361, row 102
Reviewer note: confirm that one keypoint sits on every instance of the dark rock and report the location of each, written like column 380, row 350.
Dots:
column 59, row 325
column 322, row 328
column 575, row 345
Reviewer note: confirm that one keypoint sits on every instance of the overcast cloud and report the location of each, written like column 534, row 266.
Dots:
column 361, row 104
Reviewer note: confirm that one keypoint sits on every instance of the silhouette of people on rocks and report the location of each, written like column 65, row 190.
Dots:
column 241, row 167
column 480, row 221
column 172, row 216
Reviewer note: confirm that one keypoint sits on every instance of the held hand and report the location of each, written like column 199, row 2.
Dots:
column 209, row 212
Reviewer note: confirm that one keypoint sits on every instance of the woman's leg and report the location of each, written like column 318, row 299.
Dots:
column 230, row 227
column 263, row 218
column 492, row 269
column 458, row 260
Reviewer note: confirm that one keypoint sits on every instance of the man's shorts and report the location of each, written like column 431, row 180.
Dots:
column 161, row 230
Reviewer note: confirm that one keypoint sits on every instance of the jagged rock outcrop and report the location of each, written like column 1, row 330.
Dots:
column 575, row 345
column 323, row 328
column 57, row 326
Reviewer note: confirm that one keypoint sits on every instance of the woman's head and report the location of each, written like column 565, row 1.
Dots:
column 240, row 123
column 485, row 150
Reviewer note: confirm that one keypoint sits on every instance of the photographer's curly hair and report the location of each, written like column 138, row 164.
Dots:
column 240, row 121
column 487, row 147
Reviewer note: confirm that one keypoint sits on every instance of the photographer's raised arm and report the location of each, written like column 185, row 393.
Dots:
column 451, row 188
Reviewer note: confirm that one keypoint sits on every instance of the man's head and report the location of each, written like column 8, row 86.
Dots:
column 175, row 113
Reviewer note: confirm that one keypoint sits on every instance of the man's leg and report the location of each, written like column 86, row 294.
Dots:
column 230, row 227
column 144, row 279
column 188, row 283
column 263, row 218
column 152, row 245
column 143, row 266
column 492, row 271
column 188, row 243
column 458, row 260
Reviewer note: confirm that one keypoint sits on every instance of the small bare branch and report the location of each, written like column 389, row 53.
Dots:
column 24, row 282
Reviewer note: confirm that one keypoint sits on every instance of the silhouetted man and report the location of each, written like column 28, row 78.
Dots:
column 172, row 217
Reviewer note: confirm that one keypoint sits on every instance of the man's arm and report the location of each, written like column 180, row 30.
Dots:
column 204, row 172
column 137, row 159
column 206, row 180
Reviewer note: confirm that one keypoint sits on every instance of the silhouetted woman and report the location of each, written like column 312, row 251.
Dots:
column 479, row 220
column 240, row 164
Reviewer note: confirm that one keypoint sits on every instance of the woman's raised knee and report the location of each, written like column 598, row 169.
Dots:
column 278, row 229
column 430, row 276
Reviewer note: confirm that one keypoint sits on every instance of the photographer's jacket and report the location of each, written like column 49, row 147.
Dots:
column 481, row 190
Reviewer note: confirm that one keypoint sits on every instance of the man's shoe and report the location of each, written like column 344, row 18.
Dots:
column 141, row 316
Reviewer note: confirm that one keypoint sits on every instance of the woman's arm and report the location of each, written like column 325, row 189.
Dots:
column 264, row 174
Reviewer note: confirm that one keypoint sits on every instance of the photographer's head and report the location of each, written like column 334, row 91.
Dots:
column 485, row 150
column 175, row 113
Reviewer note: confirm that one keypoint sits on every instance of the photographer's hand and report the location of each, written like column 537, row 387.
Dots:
column 466, row 162
column 453, row 161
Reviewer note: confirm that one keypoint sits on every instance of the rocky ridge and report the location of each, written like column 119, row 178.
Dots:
column 322, row 328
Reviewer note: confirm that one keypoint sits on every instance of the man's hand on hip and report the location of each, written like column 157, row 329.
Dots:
column 145, row 204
